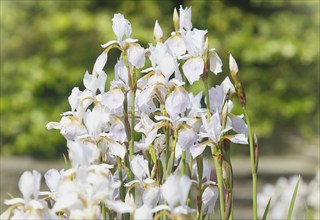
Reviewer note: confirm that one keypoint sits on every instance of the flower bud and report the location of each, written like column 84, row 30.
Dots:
column 224, row 115
column 236, row 79
column 158, row 34
column 233, row 66
column 175, row 19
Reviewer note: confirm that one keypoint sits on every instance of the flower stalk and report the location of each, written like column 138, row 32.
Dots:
column 254, row 166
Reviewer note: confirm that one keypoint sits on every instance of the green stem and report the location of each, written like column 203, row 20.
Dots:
column 166, row 131
column 217, row 163
column 133, row 96
column 200, row 175
column 227, row 172
column 174, row 143
column 126, row 116
column 253, row 168
column 103, row 210
column 172, row 156
column 183, row 161
column 131, row 143
column 206, row 90
column 122, row 189
column 167, row 147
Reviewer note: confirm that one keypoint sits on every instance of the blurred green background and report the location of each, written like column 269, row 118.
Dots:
column 46, row 47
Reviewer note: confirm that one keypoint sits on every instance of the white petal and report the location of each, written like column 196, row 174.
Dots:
column 94, row 82
column 215, row 63
column 82, row 153
column 239, row 139
column 144, row 212
column 109, row 43
column 186, row 138
column 196, row 150
column 36, row 205
column 184, row 185
column 68, row 200
column 145, row 96
column 53, row 125
column 217, row 96
column 121, row 71
column 227, row 85
column 181, row 210
column 194, row 41
column 233, row 66
column 136, row 56
column 151, row 136
column 52, row 178
column 73, row 99
column 140, row 167
column 121, row 26
column 177, row 102
column 113, row 99
column 118, row 132
column 167, row 65
column 160, row 207
column 131, row 183
column 239, row 125
column 193, row 68
column 206, row 170
column 117, row 149
column 101, row 81
column 151, row 196
column 95, row 120
column 100, row 62
column 170, row 190
column 29, row 184
column 176, row 45
column 14, row 201
column 185, row 18
column 209, row 198
column 119, row 206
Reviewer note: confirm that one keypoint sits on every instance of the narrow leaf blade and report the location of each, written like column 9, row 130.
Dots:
column 309, row 213
column 293, row 199
column 264, row 217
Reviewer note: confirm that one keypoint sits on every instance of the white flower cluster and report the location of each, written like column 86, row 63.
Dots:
column 133, row 148
column 308, row 197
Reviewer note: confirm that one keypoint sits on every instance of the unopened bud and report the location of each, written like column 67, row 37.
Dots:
column 158, row 34
column 227, row 175
column 233, row 66
column 175, row 19
column 225, row 110
column 228, row 204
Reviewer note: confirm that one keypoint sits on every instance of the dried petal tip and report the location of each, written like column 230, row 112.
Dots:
column 158, row 34
column 233, row 66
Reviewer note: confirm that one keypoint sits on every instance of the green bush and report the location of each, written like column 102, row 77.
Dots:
column 46, row 47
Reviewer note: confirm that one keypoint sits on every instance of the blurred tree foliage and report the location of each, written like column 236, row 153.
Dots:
column 46, row 47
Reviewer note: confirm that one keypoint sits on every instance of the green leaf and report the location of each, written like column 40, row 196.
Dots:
column 170, row 165
column 153, row 154
column 293, row 199
column 66, row 163
column 266, row 210
column 308, row 213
